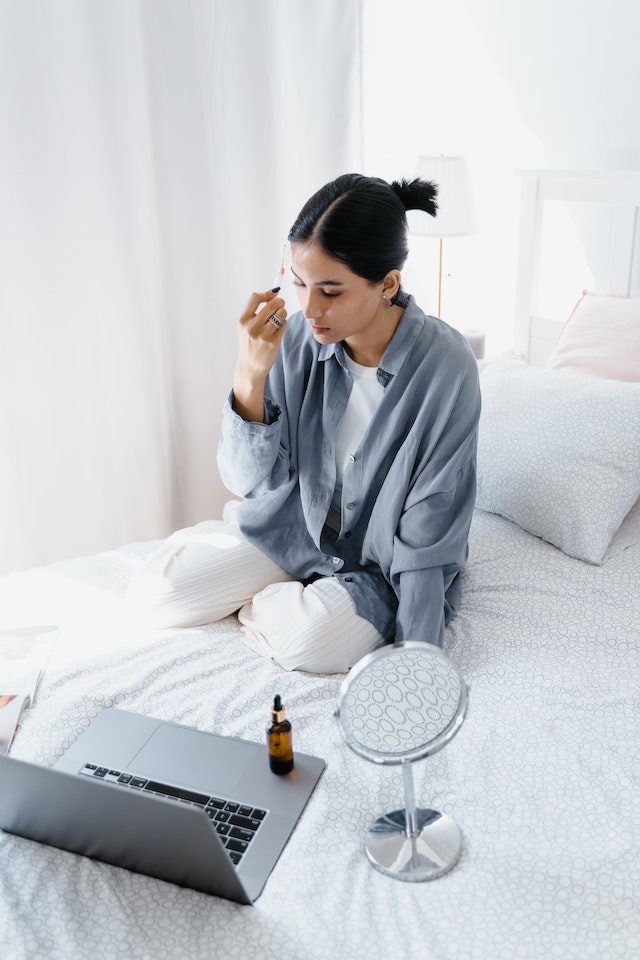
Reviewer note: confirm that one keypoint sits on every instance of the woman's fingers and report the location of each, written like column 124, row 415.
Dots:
column 254, row 302
column 274, row 306
column 259, row 340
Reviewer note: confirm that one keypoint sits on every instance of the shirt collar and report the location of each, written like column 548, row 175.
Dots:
column 404, row 336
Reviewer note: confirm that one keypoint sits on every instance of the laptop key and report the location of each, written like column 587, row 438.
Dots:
column 223, row 816
column 124, row 778
column 239, row 845
column 247, row 822
column 176, row 793
column 232, row 807
column 240, row 834
column 235, row 856
column 100, row 772
column 259, row 814
column 223, row 828
column 90, row 766
column 245, row 811
column 218, row 804
column 138, row 782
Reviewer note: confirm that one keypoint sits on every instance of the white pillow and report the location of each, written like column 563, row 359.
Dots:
column 558, row 453
column 601, row 338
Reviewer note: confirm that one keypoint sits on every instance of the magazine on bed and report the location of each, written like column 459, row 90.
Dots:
column 24, row 653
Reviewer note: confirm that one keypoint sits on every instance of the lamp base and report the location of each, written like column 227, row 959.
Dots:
column 434, row 850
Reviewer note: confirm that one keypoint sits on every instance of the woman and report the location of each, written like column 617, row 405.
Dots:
column 351, row 432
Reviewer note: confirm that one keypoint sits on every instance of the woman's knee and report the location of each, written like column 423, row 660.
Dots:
column 198, row 575
column 314, row 628
column 320, row 649
column 155, row 601
column 181, row 584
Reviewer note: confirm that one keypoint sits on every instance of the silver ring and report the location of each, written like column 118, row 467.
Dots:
column 276, row 321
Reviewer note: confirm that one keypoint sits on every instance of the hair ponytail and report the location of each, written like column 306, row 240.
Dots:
column 417, row 194
column 362, row 222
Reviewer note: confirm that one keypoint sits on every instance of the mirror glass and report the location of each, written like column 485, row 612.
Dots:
column 401, row 702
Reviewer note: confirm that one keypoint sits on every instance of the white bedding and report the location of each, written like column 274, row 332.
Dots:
column 542, row 778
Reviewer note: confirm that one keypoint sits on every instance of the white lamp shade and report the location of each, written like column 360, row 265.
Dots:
column 456, row 214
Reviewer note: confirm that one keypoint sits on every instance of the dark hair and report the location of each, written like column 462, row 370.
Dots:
column 362, row 222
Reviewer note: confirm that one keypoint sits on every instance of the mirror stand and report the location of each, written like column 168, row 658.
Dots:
column 414, row 843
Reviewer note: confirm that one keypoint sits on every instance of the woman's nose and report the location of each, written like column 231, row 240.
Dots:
column 313, row 309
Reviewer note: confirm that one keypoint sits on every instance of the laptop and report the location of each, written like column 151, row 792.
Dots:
column 198, row 809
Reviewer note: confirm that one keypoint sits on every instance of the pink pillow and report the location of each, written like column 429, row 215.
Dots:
column 601, row 338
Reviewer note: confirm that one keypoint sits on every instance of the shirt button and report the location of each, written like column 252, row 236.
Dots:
column 351, row 458
column 336, row 560
column 349, row 579
column 350, row 506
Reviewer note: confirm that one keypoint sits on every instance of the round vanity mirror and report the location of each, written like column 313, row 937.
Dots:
column 398, row 705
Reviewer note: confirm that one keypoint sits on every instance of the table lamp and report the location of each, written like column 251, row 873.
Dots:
column 456, row 216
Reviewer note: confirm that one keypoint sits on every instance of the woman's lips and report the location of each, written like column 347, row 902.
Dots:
column 318, row 329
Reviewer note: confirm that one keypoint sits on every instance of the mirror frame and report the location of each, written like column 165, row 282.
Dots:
column 417, row 753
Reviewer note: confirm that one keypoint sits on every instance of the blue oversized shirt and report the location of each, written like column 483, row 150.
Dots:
column 408, row 493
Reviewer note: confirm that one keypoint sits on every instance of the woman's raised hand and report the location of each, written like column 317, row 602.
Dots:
column 259, row 337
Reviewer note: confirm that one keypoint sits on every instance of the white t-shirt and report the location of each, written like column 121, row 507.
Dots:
column 366, row 394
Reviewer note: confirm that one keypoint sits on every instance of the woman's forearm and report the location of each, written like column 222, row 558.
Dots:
column 248, row 397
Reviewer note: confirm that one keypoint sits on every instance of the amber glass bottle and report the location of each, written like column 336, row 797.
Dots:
column 279, row 739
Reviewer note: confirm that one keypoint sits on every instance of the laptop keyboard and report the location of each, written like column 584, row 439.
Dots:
column 235, row 823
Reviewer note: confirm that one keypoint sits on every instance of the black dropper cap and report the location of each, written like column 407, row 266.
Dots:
column 277, row 711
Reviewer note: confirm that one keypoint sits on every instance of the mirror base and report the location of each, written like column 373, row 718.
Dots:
column 434, row 850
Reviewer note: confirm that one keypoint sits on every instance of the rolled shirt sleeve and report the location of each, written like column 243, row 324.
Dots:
column 254, row 458
column 431, row 543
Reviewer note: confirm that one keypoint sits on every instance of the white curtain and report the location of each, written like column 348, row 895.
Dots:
column 153, row 155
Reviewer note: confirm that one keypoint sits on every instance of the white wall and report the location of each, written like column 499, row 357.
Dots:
column 547, row 84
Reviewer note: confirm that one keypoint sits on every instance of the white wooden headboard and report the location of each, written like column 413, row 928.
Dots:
column 534, row 335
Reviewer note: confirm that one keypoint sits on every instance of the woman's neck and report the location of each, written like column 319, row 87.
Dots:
column 368, row 348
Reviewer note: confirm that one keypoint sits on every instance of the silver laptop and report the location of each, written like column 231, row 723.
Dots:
column 197, row 809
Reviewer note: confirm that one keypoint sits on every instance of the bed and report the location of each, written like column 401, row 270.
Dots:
column 542, row 778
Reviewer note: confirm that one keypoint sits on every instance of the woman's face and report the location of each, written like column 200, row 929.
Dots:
column 333, row 297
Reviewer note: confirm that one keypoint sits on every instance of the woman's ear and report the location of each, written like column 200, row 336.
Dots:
column 391, row 284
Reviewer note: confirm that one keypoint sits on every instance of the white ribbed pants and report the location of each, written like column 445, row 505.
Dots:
column 203, row 573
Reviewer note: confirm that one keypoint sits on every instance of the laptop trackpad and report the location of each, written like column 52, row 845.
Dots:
column 194, row 759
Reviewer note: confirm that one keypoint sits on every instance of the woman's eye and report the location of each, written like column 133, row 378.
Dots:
column 297, row 283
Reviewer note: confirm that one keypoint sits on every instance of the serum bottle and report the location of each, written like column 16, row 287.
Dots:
column 279, row 739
